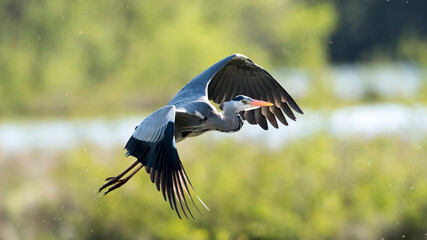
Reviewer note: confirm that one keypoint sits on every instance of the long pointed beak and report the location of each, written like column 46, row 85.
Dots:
column 260, row 103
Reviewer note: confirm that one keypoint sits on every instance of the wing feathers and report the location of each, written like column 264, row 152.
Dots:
column 260, row 119
column 222, row 89
column 250, row 116
column 288, row 111
column 270, row 116
column 240, row 76
column 278, row 113
column 158, row 154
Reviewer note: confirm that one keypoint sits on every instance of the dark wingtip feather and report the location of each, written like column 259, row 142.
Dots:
column 181, row 194
column 165, row 170
column 292, row 103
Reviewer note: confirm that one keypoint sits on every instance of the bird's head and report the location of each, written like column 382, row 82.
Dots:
column 243, row 103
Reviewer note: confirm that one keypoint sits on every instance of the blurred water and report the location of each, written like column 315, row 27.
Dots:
column 357, row 81
column 363, row 121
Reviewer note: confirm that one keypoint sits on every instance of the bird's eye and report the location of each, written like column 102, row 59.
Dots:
column 244, row 101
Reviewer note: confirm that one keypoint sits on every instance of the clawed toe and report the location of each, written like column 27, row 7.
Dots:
column 118, row 181
column 111, row 181
column 114, row 182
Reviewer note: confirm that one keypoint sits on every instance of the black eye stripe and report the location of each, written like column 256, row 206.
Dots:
column 238, row 98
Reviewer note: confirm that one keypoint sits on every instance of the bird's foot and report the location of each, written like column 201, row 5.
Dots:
column 114, row 182
column 118, row 181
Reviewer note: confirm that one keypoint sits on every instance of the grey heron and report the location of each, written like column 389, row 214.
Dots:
column 243, row 90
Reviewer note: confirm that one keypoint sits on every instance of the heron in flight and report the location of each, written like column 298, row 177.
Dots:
column 243, row 90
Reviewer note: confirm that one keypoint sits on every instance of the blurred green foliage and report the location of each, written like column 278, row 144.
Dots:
column 82, row 58
column 320, row 188
column 72, row 58
column 86, row 58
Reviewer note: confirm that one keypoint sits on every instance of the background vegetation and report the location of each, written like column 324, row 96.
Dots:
column 322, row 188
column 84, row 59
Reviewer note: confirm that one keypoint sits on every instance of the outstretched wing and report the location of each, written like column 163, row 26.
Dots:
column 241, row 76
column 153, row 144
column 238, row 75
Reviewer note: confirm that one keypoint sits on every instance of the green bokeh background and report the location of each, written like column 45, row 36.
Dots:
column 89, row 59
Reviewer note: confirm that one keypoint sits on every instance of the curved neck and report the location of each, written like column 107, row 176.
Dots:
column 231, row 121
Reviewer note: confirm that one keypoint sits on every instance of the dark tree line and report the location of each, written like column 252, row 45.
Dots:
column 368, row 26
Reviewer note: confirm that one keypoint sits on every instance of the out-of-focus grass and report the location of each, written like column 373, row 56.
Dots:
column 84, row 59
column 321, row 188
column 81, row 58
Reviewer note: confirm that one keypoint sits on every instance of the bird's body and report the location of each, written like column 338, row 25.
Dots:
column 231, row 83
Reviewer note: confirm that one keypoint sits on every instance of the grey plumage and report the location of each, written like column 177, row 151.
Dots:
column 234, row 83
